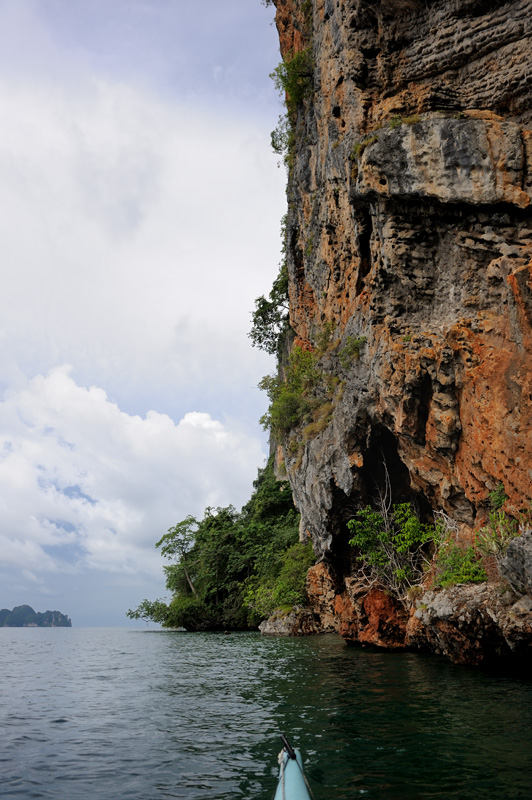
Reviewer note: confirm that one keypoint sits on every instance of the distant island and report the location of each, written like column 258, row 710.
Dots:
column 26, row 617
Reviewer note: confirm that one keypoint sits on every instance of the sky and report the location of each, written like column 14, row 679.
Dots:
column 140, row 208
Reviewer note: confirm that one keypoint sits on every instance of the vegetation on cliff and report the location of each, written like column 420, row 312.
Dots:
column 383, row 340
column 26, row 617
column 396, row 551
column 390, row 546
column 231, row 569
column 294, row 80
column 302, row 391
column 270, row 322
column 406, row 368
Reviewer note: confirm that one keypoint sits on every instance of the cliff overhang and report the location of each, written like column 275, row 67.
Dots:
column 409, row 229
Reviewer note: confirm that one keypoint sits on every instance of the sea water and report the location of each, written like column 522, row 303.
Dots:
column 146, row 714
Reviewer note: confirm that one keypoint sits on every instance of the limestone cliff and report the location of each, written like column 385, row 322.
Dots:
column 409, row 231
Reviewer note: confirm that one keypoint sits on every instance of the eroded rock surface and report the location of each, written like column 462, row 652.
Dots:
column 410, row 229
column 470, row 624
column 297, row 622
column 516, row 567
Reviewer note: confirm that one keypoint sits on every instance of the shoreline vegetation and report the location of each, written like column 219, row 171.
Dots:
column 232, row 569
column 25, row 617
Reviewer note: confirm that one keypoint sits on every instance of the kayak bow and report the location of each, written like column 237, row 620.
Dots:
column 292, row 784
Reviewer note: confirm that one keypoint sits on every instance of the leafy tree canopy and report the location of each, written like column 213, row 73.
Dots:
column 231, row 569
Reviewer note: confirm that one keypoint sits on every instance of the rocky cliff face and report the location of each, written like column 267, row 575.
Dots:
column 409, row 231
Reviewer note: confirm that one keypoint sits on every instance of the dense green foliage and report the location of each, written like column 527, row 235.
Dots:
column 390, row 546
column 392, row 549
column 284, row 587
column 231, row 569
column 293, row 77
column 25, row 616
column 458, row 564
column 291, row 398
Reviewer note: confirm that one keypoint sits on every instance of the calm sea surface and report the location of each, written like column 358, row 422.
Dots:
column 139, row 715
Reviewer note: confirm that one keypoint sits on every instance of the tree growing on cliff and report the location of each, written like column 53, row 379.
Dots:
column 293, row 78
column 270, row 318
column 290, row 395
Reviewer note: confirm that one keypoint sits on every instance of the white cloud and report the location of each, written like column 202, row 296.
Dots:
column 137, row 225
column 132, row 239
column 91, row 487
column 124, row 212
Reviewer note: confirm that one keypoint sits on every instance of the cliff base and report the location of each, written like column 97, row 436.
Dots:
column 470, row 624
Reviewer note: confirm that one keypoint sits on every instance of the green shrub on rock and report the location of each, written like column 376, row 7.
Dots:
column 293, row 77
column 458, row 564
column 291, row 400
column 351, row 350
column 391, row 546
column 493, row 539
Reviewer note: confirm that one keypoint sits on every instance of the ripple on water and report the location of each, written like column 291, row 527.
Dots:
column 129, row 714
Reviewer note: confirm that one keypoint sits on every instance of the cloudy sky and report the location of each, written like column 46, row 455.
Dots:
column 139, row 219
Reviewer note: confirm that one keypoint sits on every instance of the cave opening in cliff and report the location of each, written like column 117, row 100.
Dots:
column 297, row 256
column 340, row 556
column 384, row 468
